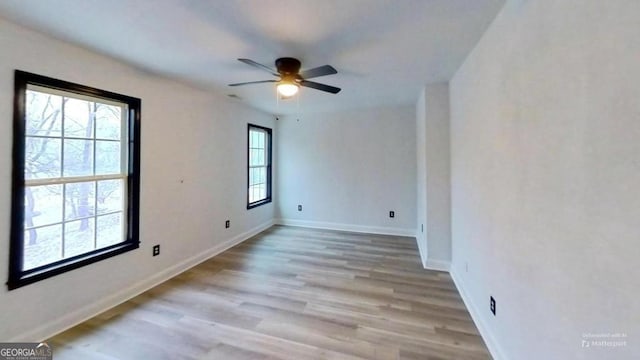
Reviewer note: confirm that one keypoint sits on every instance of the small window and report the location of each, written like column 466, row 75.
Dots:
column 259, row 190
column 76, row 185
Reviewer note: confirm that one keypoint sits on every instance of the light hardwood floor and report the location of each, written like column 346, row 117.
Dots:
column 290, row 293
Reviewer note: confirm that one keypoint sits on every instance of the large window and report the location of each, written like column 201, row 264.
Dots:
column 259, row 190
column 75, row 177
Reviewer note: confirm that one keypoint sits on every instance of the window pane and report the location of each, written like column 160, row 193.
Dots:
column 260, row 157
column 257, row 176
column 42, row 205
column 108, row 122
column 263, row 175
column 78, row 157
column 257, row 160
column 261, row 139
column 109, row 230
column 78, row 237
column 262, row 191
column 107, row 157
column 42, row 158
column 252, row 176
column 79, row 116
column 257, row 192
column 80, row 200
column 255, row 138
column 42, row 246
column 110, row 196
column 44, row 115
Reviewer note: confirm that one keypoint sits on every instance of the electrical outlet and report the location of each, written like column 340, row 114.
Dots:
column 156, row 250
column 492, row 305
column 392, row 214
column 227, row 224
column 299, row 207
column 466, row 266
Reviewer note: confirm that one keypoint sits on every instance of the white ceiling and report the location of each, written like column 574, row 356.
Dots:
column 384, row 50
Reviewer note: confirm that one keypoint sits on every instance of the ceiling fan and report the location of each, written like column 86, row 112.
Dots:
column 291, row 78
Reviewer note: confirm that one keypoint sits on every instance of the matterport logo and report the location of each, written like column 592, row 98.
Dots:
column 604, row 340
column 25, row 351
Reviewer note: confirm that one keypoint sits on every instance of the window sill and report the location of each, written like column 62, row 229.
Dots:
column 258, row 203
column 62, row 266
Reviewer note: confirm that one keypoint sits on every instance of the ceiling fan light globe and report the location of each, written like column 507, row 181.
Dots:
column 287, row 89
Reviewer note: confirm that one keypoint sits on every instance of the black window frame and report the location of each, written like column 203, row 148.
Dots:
column 251, row 205
column 19, row 277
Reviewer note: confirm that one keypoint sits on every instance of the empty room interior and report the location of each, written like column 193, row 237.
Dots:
column 335, row 179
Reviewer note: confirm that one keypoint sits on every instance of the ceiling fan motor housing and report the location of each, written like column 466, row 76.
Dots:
column 288, row 66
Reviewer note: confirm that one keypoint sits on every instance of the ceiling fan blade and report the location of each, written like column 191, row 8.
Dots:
column 253, row 82
column 319, row 71
column 259, row 66
column 321, row 87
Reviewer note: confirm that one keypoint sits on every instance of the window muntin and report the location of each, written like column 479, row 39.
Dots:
column 259, row 166
column 76, row 177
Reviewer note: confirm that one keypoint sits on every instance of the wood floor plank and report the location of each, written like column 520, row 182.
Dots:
column 290, row 293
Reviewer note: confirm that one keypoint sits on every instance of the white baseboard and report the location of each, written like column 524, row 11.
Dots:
column 439, row 265
column 70, row 320
column 431, row 264
column 483, row 328
column 347, row 227
column 422, row 250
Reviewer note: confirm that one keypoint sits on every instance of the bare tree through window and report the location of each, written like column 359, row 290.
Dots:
column 71, row 139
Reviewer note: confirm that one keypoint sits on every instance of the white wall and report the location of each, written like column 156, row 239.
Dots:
column 187, row 135
column 348, row 170
column 545, row 178
column 433, row 178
